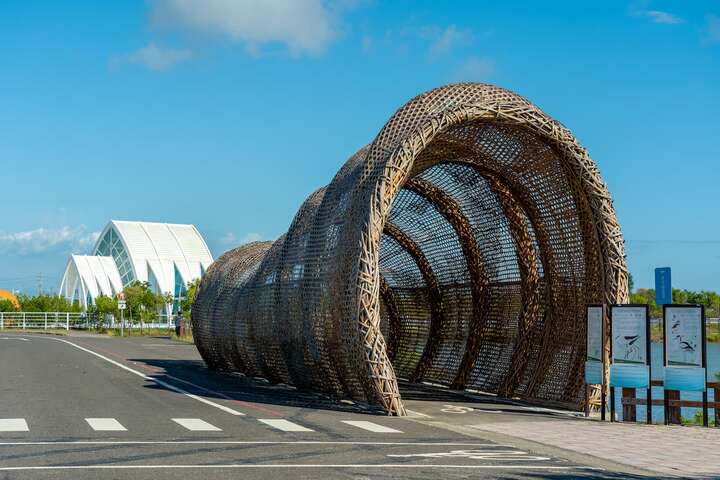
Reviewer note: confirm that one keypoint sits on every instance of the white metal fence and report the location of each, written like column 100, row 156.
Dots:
column 68, row 320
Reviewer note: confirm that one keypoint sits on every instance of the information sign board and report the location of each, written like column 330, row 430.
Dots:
column 684, row 347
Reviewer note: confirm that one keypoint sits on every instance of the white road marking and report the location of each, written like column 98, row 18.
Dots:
column 371, row 427
column 477, row 454
column 245, row 442
column 456, row 409
column 159, row 382
column 15, row 338
column 105, row 425
column 13, row 425
column 414, row 413
column 300, row 465
column 196, row 425
column 284, row 425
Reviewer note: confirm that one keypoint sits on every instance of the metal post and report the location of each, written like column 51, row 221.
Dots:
column 23, row 321
column 45, row 321
column 122, row 322
column 2, row 321
column 67, row 321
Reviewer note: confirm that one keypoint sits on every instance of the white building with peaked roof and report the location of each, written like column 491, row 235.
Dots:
column 167, row 256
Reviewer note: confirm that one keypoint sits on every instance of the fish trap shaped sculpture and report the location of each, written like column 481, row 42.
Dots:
column 460, row 248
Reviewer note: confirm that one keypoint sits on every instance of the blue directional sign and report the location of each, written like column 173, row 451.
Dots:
column 663, row 286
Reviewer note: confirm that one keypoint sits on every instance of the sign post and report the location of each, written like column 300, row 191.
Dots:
column 663, row 286
column 684, row 356
column 122, row 305
column 594, row 357
column 630, row 352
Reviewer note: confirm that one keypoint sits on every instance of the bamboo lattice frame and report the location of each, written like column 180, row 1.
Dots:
column 460, row 247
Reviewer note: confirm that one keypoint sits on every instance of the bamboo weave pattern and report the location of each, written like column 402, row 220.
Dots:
column 460, row 247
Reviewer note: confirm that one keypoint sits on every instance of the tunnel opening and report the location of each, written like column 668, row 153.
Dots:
column 482, row 243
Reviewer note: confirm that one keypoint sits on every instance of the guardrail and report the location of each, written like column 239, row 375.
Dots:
column 74, row 320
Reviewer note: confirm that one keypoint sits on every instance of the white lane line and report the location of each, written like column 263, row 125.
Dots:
column 371, row 427
column 245, row 442
column 196, row 425
column 301, row 465
column 105, row 425
column 413, row 413
column 13, row 425
column 15, row 338
column 284, row 425
column 151, row 379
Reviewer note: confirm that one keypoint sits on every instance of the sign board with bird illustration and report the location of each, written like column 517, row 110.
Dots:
column 684, row 348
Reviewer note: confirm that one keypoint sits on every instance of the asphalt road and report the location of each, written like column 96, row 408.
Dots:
column 83, row 407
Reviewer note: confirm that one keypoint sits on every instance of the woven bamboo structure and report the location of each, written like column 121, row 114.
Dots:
column 460, row 247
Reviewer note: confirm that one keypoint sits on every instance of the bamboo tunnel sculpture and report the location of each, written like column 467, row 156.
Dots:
column 460, row 248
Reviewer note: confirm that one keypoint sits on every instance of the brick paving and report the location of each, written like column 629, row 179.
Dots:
column 678, row 451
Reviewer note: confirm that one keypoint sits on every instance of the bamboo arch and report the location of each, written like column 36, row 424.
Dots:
column 460, row 247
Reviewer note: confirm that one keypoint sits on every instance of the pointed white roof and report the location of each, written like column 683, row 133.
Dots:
column 90, row 276
column 160, row 248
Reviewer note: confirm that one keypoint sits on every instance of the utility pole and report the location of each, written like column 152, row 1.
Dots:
column 40, row 283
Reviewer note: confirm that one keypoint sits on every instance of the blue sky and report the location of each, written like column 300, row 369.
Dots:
column 228, row 113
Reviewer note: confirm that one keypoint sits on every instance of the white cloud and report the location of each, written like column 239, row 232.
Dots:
column 41, row 240
column 475, row 69
column 251, row 237
column 713, row 28
column 154, row 57
column 230, row 239
column 305, row 27
column 657, row 16
column 449, row 38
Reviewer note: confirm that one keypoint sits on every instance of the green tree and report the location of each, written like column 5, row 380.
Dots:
column 105, row 306
column 47, row 303
column 646, row 296
column 135, row 297
column 187, row 302
column 7, row 306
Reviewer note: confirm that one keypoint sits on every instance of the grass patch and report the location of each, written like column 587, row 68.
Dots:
column 145, row 332
column 184, row 338
column 58, row 331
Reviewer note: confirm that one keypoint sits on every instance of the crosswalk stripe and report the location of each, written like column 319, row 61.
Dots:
column 371, row 427
column 196, row 425
column 13, row 425
column 105, row 425
column 284, row 425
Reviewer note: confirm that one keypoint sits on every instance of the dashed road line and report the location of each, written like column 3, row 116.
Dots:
column 370, row 426
column 13, row 425
column 284, row 425
column 196, row 425
column 155, row 380
column 105, row 425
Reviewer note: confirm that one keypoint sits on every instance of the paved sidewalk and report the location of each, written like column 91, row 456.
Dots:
column 678, row 451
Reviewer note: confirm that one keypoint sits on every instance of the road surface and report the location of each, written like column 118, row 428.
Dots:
column 82, row 407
